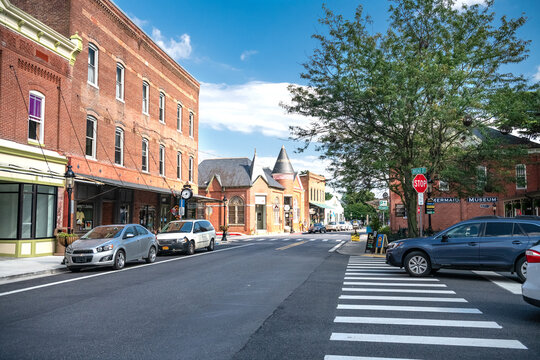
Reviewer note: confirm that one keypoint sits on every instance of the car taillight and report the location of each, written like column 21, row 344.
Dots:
column 532, row 256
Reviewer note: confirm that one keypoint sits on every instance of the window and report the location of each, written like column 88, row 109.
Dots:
column 236, row 211
column 92, row 64
column 276, row 211
column 521, row 176
column 120, row 81
column 179, row 165
column 144, row 153
column 531, row 229
column 37, row 209
column 465, row 230
column 191, row 124
column 499, row 229
column 145, row 92
column 161, row 107
column 91, row 136
column 119, row 146
column 161, row 160
column 481, row 177
column 296, row 211
column 179, row 117
column 36, row 112
column 190, row 169
column 443, row 186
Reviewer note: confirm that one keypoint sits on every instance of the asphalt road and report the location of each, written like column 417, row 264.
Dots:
column 265, row 298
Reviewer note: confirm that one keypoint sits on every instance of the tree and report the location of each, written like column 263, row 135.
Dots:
column 328, row 196
column 385, row 103
column 355, row 204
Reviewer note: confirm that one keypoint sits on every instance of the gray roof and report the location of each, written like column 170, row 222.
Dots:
column 283, row 164
column 231, row 172
column 503, row 138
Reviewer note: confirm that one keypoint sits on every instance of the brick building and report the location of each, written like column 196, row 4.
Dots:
column 36, row 65
column 314, row 199
column 131, row 133
column 259, row 200
column 520, row 197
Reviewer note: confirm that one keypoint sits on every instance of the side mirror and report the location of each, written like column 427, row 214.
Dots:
column 444, row 238
column 129, row 236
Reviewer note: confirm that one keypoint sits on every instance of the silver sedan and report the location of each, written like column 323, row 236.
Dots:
column 531, row 287
column 111, row 245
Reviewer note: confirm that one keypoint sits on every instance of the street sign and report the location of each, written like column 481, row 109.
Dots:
column 430, row 206
column 417, row 171
column 421, row 198
column 420, row 183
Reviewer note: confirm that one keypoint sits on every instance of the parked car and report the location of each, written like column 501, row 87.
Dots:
column 531, row 287
column 111, row 245
column 342, row 226
column 332, row 226
column 317, row 228
column 490, row 243
column 186, row 236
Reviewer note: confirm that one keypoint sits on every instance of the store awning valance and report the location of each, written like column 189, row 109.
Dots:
column 321, row 205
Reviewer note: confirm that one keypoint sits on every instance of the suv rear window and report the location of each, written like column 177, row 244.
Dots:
column 497, row 229
column 531, row 229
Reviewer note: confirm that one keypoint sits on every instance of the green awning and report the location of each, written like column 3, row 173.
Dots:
column 321, row 205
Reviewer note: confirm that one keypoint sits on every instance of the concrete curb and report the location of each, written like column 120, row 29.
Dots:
column 18, row 277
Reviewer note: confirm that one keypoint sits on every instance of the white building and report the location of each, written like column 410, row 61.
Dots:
column 334, row 212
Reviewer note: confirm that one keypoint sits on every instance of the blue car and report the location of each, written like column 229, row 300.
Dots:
column 482, row 243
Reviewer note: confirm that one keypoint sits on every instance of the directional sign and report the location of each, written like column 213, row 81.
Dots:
column 417, row 171
column 420, row 183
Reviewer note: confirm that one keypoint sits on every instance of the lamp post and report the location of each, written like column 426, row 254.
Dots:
column 224, row 236
column 70, row 180
column 429, row 190
column 494, row 209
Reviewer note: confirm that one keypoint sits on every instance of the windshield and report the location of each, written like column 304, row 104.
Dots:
column 103, row 232
column 178, row 226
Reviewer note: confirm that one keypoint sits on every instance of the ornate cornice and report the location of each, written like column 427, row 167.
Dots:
column 22, row 23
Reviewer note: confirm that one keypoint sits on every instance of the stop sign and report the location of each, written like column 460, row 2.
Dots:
column 420, row 183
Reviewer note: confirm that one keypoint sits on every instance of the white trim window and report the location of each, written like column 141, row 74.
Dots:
column 161, row 160
column 521, row 176
column 179, row 117
column 145, row 95
column 91, row 136
column 120, row 70
column 481, row 177
column 179, row 165
column 190, row 124
column 144, row 155
column 119, row 146
column 162, row 107
column 190, row 169
column 93, row 55
column 36, row 114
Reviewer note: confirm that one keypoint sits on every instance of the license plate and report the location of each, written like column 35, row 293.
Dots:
column 165, row 248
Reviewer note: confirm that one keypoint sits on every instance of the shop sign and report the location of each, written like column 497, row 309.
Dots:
column 446, row 200
column 482, row 199
column 260, row 200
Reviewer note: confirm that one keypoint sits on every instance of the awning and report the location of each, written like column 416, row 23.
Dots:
column 321, row 205
column 200, row 198
column 123, row 184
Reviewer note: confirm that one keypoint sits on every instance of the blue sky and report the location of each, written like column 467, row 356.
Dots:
column 245, row 52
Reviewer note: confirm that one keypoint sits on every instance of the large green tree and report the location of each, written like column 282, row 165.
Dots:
column 382, row 104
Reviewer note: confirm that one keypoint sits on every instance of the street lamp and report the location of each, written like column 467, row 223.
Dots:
column 494, row 209
column 429, row 191
column 70, row 181
column 224, row 236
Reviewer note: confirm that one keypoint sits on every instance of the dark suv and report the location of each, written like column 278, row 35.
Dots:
column 486, row 243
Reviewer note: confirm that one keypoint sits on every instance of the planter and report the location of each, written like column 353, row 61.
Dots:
column 62, row 239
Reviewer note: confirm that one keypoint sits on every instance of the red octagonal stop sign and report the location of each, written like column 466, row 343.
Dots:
column 420, row 183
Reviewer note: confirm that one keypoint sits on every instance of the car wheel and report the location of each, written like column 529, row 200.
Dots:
column 417, row 264
column 191, row 248
column 151, row 255
column 73, row 269
column 119, row 260
column 211, row 246
column 323, row 231
column 521, row 269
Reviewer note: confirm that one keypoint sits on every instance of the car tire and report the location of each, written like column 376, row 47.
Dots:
column 417, row 264
column 74, row 269
column 521, row 269
column 191, row 248
column 323, row 231
column 211, row 246
column 119, row 260
column 152, row 253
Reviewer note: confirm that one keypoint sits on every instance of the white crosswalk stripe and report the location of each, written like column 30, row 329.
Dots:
column 372, row 287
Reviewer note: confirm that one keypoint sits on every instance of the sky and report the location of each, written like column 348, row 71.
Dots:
column 245, row 53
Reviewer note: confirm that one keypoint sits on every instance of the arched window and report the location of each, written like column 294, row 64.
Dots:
column 144, row 155
column 161, row 160
column 120, row 81
column 91, row 136
column 119, row 146
column 162, row 107
column 93, row 64
column 179, row 117
column 191, row 124
column 145, row 95
column 236, row 211
column 276, row 211
column 36, row 112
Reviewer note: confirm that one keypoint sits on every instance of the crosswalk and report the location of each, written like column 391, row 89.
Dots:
column 381, row 304
column 269, row 239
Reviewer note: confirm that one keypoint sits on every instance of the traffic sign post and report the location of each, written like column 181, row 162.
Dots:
column 420, row 185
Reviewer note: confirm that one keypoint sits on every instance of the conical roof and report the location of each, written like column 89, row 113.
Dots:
column 283, row 164
column 256, row 168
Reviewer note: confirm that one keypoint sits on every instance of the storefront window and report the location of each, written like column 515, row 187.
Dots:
column 9, row 208
column 124, row 214
column 84, row 217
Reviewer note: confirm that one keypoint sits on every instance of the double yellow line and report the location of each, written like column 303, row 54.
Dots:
column 291, row 245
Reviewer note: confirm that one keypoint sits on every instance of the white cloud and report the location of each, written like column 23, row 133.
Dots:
column 537, row 75
column 176, row 49
column 248, row 108
column 459, row 3
column 139, row 22
column 246, row 54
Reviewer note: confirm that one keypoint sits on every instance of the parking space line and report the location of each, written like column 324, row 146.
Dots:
column 291, row 245
column 501, row 281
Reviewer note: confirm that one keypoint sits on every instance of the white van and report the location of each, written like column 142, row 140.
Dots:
column 186, row 236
